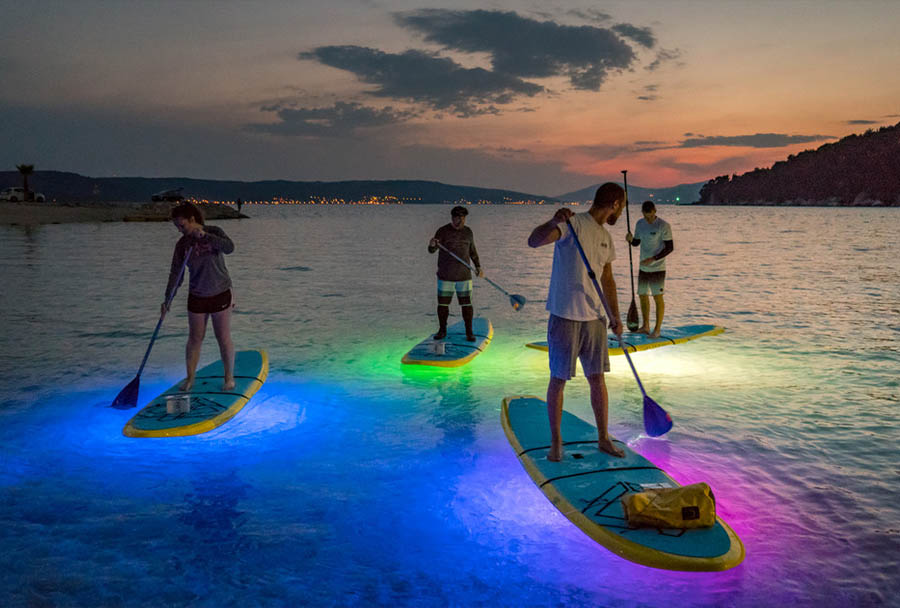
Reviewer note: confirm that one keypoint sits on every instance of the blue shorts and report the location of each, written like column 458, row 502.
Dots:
column 570, row 340
column 651, row 283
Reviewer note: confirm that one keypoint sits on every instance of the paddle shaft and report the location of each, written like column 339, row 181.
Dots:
column 628, row 221
column 163, row 315
column 469, row 266
column 609, row 314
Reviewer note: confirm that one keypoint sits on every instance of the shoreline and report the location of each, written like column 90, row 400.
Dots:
column 33, row 214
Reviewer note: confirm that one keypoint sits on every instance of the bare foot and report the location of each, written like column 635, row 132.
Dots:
column 605, row 445
column 642, row 330
column 186, row 385
column 228, row 385
column 555, row 454
column 654, row 333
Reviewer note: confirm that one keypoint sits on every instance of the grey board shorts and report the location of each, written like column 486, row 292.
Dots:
column 570, row 340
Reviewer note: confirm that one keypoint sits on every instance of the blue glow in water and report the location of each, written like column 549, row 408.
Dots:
column 352, row 480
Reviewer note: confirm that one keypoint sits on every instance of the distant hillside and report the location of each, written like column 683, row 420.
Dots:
column 858, row 170
column 61, row 186
column 684, row 193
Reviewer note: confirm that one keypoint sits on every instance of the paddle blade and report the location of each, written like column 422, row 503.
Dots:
column 656, row 421
column 631, row 320
column 517, row 301
column 128, row 396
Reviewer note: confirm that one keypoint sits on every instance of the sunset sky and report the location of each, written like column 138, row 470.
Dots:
column 539, row 97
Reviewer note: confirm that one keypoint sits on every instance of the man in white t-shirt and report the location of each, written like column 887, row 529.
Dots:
column 577, row 325
column 654, row 235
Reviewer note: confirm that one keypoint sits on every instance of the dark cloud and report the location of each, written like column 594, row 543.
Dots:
column 862, row 122
column 343, row 118
column 642, row 35
column 425, row 78
column 732, row 164
column 525, row 48
column 663, row 56
column 758, row 140
column 591, row 14
column 605, row 150
column 649, row 93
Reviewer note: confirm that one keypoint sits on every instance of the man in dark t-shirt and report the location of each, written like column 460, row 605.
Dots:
column 452, row 275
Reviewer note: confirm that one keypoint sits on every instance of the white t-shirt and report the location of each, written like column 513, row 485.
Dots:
column 572, row 293
column 652, row 237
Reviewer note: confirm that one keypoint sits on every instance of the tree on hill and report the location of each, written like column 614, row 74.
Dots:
column 26, row 170
column 857, row 170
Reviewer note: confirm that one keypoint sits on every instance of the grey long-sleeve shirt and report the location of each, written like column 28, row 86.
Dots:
column 209, row 276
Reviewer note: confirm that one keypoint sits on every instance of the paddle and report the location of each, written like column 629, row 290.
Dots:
column 631, row 320
column 515, row 300
column 656, row 420
column 128, row 396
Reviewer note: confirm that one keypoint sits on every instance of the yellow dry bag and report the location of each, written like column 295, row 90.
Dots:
column 692, row 506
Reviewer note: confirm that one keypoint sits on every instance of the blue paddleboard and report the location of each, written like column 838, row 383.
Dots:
column 457, row 350
column 210, row 406
column 636, row 342
column 587, row 487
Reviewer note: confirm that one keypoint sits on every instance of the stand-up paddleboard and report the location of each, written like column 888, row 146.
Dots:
column 456, row 349
column 636, row 342
column 587, row 485
column 208, row 406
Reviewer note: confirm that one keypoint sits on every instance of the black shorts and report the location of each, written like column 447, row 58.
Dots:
column 211, row 304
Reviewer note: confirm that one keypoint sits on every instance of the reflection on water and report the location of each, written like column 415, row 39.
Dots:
column 350, row 479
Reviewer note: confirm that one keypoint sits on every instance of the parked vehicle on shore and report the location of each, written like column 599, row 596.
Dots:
column 170, row 196
column 16, row 194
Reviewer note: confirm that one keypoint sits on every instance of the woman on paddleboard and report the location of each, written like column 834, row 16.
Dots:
column 209, row 291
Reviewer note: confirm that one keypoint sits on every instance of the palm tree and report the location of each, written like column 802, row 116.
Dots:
column 26, row 170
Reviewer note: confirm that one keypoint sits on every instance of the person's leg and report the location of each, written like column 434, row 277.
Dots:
column 644, row 296
column 196, row 332
column 443, row 313
column 561, row 336
column 464, row 295
column 555, row 390
column 468, row 313
column 645, row 315
column 660, row 312
column 600, row 405
column 444, row 296
column 221, row 322
column 594, row 355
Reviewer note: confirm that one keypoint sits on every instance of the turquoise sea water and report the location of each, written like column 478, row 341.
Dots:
column 350, row 480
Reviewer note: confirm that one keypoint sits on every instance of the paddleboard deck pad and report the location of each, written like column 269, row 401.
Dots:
column 210, row 406
column 457, row 350
column 636, row 342
column 587, row 485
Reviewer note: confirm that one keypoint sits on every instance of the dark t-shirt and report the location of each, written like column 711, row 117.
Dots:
column 462, row 243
